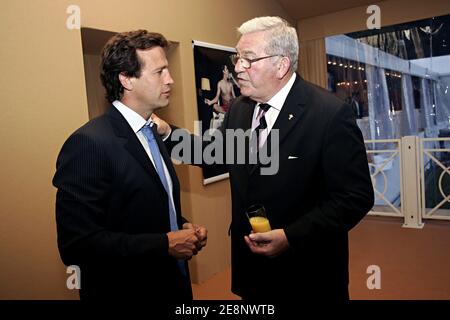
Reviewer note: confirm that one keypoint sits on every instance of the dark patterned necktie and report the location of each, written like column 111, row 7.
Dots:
column 263, row 107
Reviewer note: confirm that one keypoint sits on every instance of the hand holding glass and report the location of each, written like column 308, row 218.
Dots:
column 258, row 218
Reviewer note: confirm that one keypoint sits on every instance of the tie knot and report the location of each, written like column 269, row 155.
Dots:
column 264, row 106
column 147, row 131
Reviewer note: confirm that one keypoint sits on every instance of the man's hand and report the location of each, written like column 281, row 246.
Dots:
column 200, row 231
column 164, row 129
column 183, row 243
column 269, row 244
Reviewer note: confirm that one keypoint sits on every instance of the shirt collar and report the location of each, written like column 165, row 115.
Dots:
column 277, row 101
column 134, row 119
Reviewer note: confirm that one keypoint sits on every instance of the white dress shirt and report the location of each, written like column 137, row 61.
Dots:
column 276, row 103
column 136, row 122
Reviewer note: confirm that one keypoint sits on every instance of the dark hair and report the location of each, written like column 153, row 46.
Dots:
column 119, row 56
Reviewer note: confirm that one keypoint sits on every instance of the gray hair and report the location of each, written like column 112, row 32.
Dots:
column 282, row 39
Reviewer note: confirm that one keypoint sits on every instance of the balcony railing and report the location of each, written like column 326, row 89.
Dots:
column 411, row 178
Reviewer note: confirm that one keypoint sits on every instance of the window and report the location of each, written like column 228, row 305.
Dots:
column 396, row 78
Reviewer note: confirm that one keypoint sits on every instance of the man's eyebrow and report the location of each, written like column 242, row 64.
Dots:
column 160, row 68
column 245, row 52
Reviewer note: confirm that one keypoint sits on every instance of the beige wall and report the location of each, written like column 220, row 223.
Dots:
column 44, row 100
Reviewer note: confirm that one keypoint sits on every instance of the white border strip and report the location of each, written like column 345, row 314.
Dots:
column 212, row 45
column 216, row 178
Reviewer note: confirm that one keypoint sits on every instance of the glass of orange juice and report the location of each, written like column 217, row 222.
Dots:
column 258, row 218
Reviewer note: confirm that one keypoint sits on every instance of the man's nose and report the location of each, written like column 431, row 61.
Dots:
column 238, row 67
column 169, row 79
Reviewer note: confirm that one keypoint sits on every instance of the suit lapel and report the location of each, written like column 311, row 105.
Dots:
column 244, row 118
column 292, row 110
column 131, row 142
column 289, row 115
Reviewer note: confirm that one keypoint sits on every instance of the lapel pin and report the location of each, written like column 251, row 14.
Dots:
column 291, row 116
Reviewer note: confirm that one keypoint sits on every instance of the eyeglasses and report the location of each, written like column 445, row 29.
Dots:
column 245, row 62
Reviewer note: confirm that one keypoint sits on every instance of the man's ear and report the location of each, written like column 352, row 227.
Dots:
column 126, row 81
column 283, row 67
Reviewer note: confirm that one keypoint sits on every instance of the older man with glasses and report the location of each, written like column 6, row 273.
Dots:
column 322, row 188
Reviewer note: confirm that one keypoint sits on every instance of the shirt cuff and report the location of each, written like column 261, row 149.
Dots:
column 167, row 136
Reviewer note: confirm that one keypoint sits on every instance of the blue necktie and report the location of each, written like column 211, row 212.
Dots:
column 156, row 154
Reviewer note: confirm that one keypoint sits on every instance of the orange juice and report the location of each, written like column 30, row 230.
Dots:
column 260, row 224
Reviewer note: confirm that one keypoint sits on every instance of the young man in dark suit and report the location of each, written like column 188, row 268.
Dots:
column 322, row 188
column 118, row 207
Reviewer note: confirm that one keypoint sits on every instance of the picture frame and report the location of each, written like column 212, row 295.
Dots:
column 213, row 70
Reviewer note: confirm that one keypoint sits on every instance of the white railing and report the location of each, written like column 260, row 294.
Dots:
column 386, row 174
column 435, row 158
column 411, row 178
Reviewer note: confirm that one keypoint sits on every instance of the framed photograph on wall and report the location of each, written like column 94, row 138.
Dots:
column 216, row 88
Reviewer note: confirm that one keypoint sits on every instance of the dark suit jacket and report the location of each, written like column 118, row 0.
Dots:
column 317, row 196
column 112, row 214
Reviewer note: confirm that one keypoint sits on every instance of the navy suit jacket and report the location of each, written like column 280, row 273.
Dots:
column 112, row 214
column 321, row 190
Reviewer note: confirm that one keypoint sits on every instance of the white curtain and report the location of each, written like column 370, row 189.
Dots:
column 409, row 125
column 428, row 108
column 379, row 112
column 442, row 109
column 381, row 120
